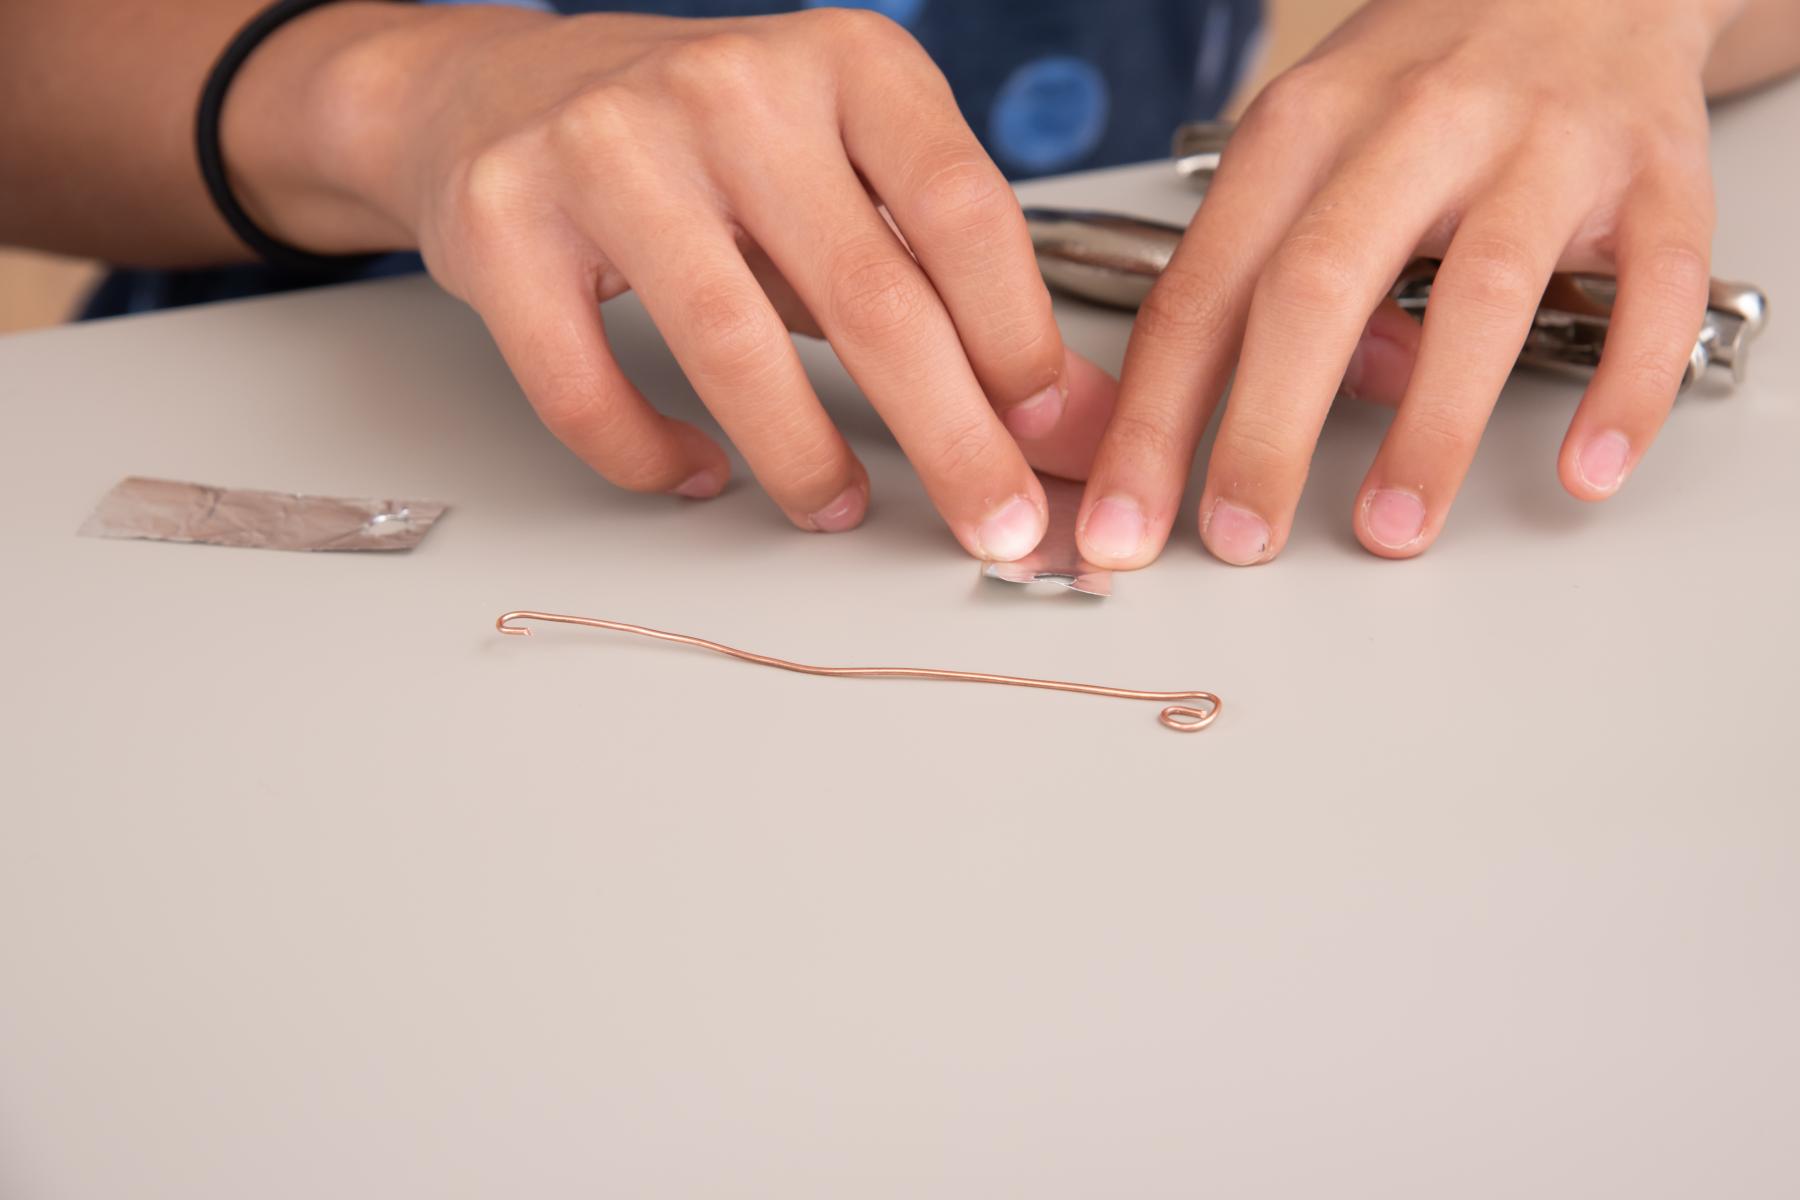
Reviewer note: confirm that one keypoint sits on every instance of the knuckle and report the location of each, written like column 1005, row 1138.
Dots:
column 1315, row 271
column 1439, row 433
column 569, row 402
column 1461, row 98
column 1497, row 274
column 813, row 469
column 1027, row 348
column 587, row 417
column 860, row 27
column 1655, row 372
column 961, row 449
column 1453, row 89
column 879, row 297
column 1143, row 439
column 731, row 330
column 1556, row 119
column 1187, row 307
column 1428, row 87
column 1258, row 445
column 1679, row 269
column 964, row 193
column 719, row 70
column 594, row 119
column 495, row 189
column 1292, row 102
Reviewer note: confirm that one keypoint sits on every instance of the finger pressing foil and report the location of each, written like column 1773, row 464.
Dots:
column 1057, row 559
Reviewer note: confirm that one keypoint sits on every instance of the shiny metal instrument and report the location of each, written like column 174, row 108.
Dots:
column 1112, row 259
column 1199, row 146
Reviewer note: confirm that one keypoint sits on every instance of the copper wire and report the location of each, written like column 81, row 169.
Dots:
column 1180, row 717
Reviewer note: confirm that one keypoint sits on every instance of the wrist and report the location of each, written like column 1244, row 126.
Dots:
column 322, row 126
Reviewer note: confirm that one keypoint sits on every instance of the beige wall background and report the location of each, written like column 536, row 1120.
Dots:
column 41, row 289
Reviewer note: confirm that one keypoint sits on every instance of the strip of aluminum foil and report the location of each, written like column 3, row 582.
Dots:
column 167, row 511
column 1056, row 559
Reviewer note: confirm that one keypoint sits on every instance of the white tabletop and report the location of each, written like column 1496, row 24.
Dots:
column 1485, row 884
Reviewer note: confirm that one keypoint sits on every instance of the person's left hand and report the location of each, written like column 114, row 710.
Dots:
column 1512, row 140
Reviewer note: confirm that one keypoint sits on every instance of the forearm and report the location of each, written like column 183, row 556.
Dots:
column 97, row 101
column 1761, row 44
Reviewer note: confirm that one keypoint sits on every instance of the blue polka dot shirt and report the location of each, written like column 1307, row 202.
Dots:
column 1048, row 85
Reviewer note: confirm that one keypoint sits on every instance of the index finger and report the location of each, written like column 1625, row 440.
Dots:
column 963, row 224
column 888, row 326
column 1186, row 335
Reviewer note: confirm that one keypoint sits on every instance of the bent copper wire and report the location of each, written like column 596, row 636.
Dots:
column 1180, row 717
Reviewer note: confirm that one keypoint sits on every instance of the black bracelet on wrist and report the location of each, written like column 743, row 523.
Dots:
column 212, row 156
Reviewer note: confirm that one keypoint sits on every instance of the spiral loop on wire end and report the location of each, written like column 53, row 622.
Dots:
column 1185, row 719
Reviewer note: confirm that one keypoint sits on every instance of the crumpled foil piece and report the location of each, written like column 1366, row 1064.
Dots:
column 1056, row 559
column 166, row 511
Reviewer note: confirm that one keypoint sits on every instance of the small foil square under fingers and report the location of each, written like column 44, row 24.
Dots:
column 167, row 511
column 1056, row 559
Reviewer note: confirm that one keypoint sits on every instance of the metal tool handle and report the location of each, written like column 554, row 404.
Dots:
column 1112, row 259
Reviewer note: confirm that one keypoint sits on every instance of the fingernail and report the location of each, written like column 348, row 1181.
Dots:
column 701, row 485
column 1602, row 461
column 1235, row 534
column 1396, row 519
column 1011, row 532
column 846, row 512
column 1115, row 529
column 1037, row 417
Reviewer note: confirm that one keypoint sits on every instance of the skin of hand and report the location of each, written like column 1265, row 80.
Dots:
column 1511, row 140
column 518, row 150
column 807, row 170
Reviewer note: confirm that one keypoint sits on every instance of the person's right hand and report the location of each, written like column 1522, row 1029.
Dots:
column 733, row 173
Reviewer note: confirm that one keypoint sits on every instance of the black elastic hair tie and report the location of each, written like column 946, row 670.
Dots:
column 212, row 156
